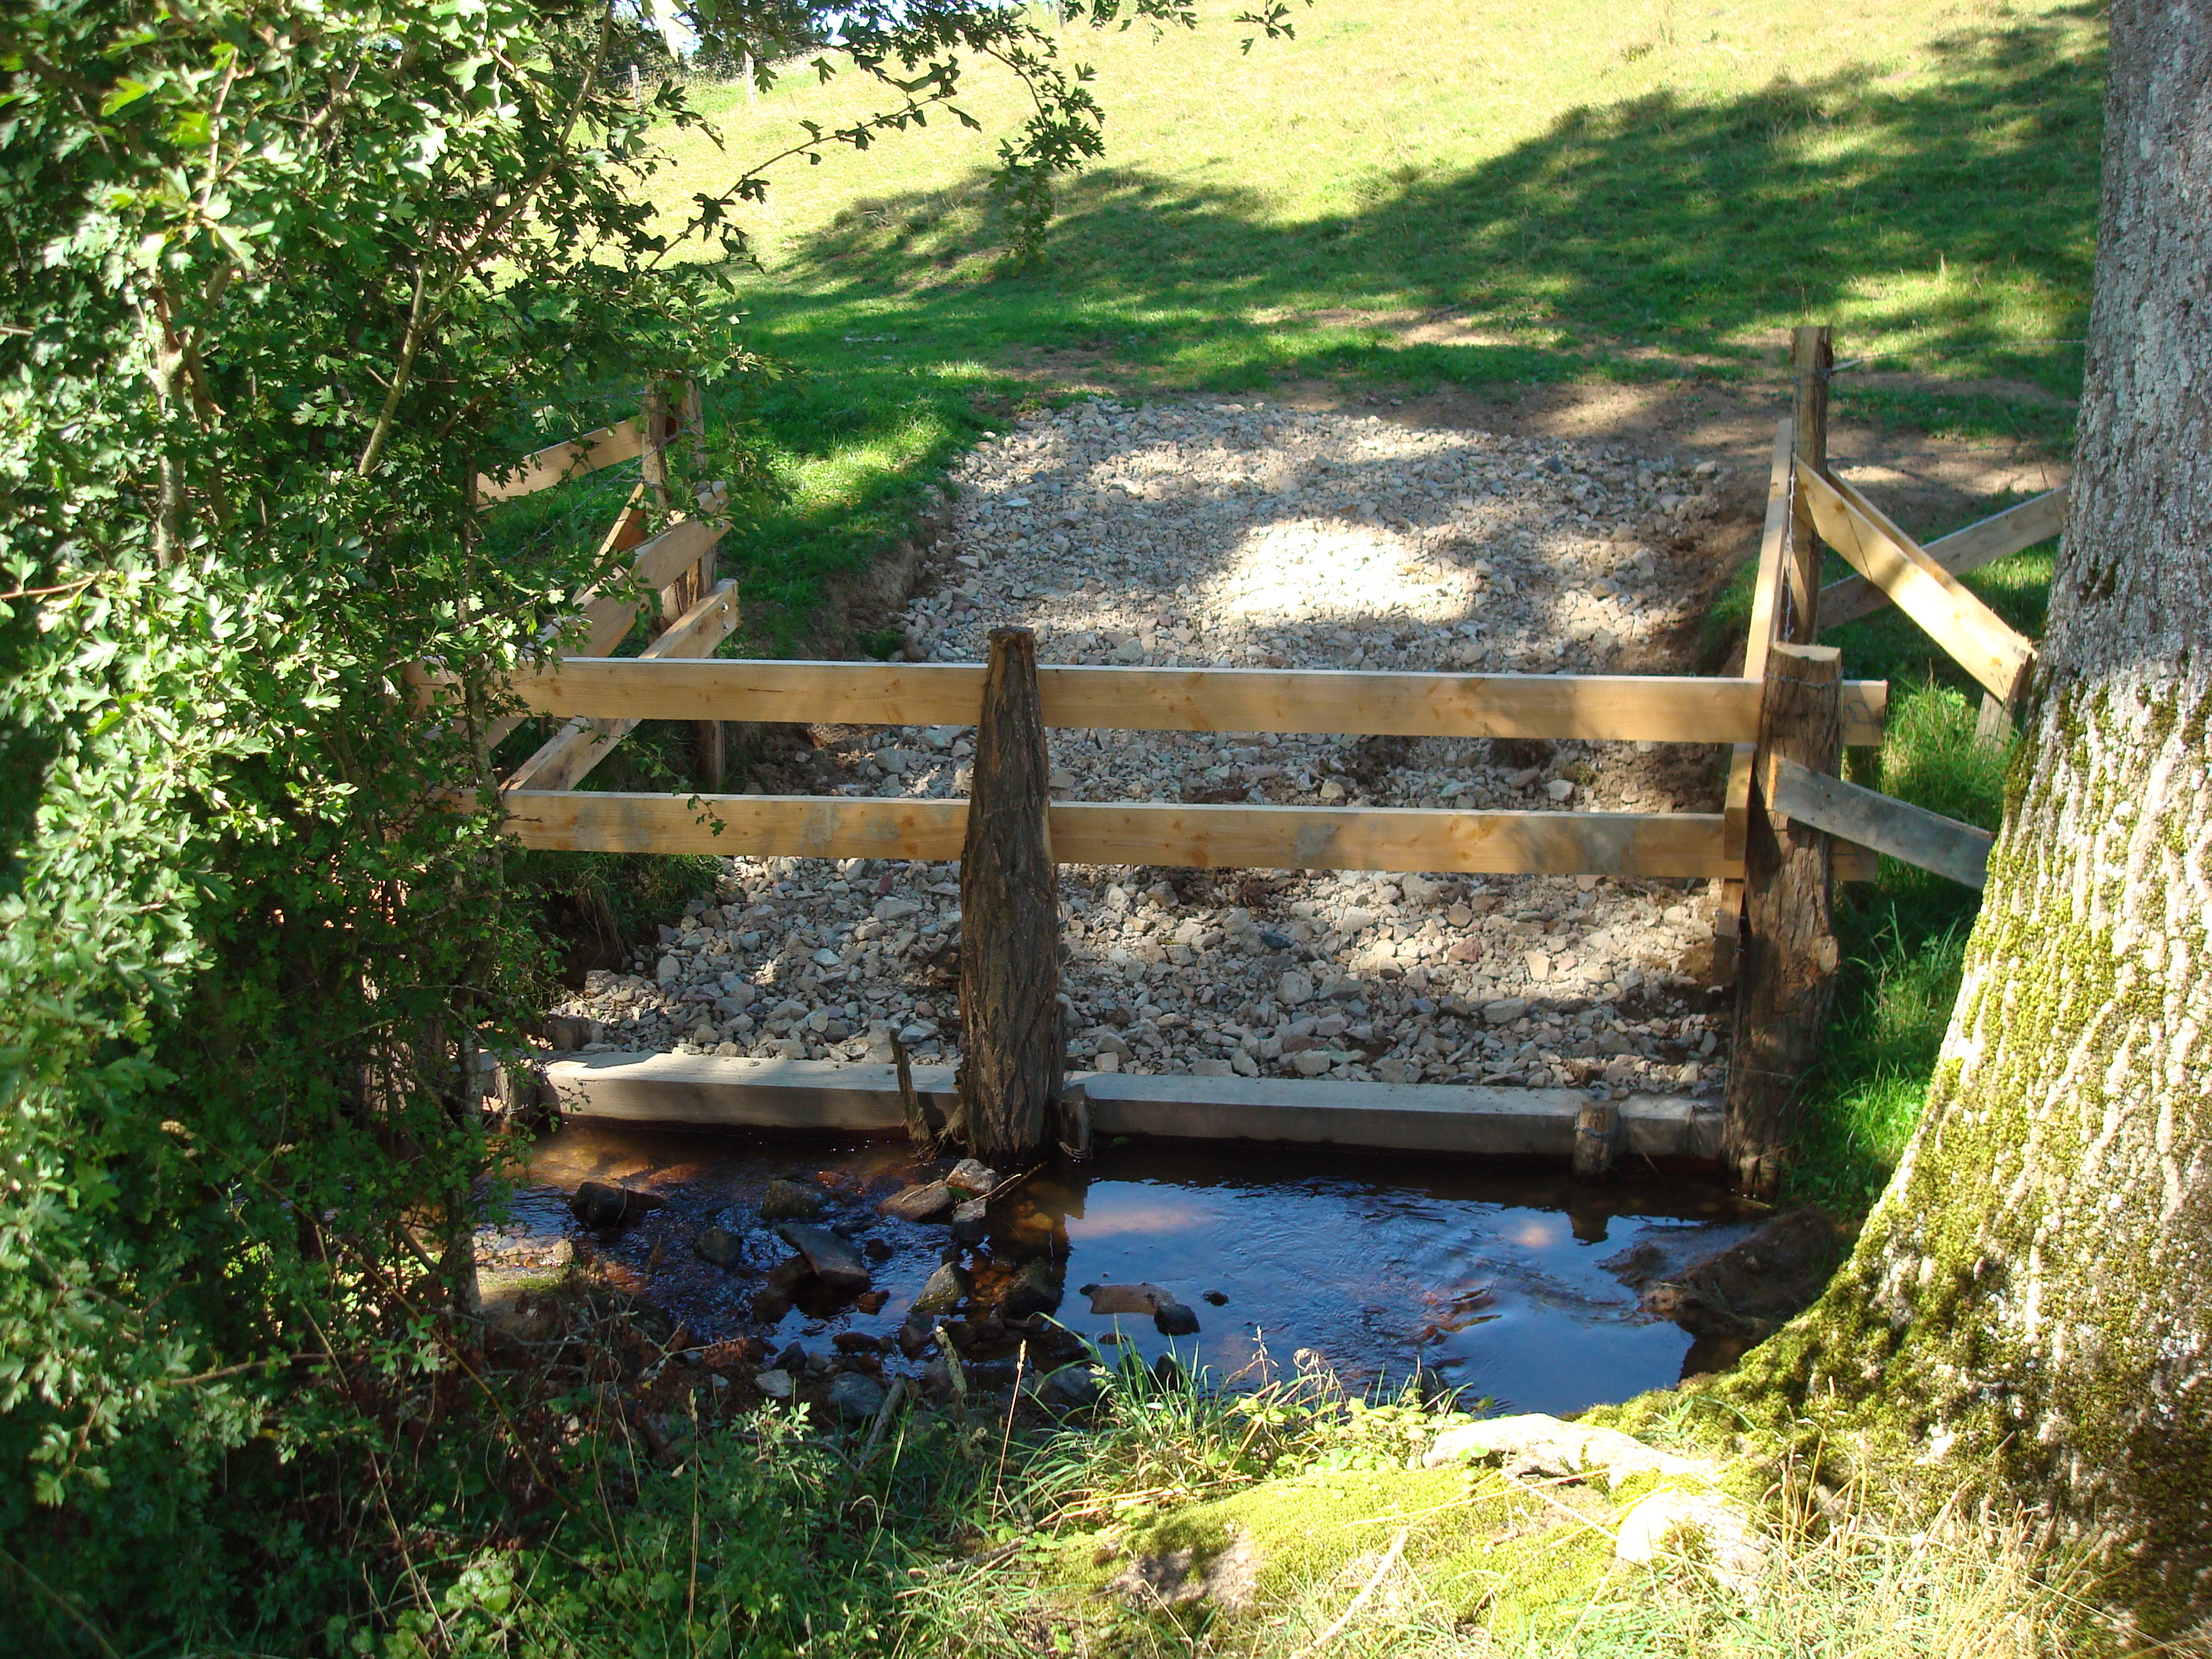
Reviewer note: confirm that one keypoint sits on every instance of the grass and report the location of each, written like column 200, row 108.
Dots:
column 969, row 1532
column 1582, row 191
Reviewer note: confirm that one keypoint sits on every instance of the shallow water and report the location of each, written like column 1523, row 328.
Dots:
column 1492, row 1274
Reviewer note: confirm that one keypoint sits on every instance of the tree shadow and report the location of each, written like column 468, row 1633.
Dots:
column 1959, row 218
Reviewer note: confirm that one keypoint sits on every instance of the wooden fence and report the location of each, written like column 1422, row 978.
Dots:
column 1786, row 717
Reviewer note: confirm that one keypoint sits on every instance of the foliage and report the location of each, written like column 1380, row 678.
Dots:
column 289, row 277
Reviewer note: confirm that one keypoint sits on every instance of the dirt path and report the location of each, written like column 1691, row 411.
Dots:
column 1266, row 533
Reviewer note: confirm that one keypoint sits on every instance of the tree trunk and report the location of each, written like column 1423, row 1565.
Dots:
column 1011, row 1045
column 2032, row 1297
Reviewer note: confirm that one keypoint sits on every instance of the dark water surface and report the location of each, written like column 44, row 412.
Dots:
column 1489, row 1273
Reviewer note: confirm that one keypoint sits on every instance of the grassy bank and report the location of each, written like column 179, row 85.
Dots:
column 976, row 1532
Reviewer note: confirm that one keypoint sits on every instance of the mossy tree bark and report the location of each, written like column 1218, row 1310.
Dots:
column 2032, row 1297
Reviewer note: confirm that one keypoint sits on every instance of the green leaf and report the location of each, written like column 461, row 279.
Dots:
column 124, row 94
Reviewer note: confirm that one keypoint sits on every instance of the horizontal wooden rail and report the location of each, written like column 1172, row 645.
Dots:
column 1984, row 542
column 1975, row 637
column 1647, row 844
column 1911, row 834
column 557, row 463
column 1621, row 708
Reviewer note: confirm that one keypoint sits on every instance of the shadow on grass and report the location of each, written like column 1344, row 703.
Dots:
column 1648, row 240
column 1664, row 221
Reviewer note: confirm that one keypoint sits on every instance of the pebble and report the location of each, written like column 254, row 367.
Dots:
column 1195, row 533
column 776, row 1385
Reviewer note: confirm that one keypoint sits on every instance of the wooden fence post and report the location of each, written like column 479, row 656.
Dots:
column 1812, row 358
column 665, row 417
column 1012, row 1041
column 1788, row 978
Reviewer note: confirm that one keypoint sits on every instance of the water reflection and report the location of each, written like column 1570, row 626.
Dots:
column 1490, row 1274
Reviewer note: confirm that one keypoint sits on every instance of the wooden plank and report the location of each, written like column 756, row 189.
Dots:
column 567, row 757
column 1790, row 956
column 1206, row 837
column 1773, row 550
column 1975, row 637
column 1766, row 614
column 1813, row 360
column 1621, row 708
column 1984, row 542
column 1389, row 838
column 862, row 1097
column 1856, row 863
column 557, row 463
column 799, row 826
column 1912, row 834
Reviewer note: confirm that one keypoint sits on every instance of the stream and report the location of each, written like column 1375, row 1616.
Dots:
column 1493, row 1275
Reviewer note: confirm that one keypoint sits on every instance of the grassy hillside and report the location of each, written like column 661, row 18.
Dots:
column 1471, row 191
column 1644, row 187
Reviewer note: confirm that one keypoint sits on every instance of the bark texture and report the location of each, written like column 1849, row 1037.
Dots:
column 2034, row 1291
column 1011, row 1044
column 1787, row 977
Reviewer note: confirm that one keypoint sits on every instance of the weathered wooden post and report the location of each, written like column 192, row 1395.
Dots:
column 1789, row 953
column 1011, row 1042
column 1597, row 1132
column 665, row 417
column 1812, row 359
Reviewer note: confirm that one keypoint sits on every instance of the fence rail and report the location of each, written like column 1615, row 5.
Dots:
column 1619, row 707
column 1214, row 837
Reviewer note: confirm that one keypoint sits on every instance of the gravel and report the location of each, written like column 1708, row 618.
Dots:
column 1254, row 535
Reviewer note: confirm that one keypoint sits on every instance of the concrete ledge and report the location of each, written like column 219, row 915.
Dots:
column 854, row 1097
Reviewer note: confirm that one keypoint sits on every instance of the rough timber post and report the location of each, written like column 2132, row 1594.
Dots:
column 1012, row 1041
column 1788, row 977
column 665, row 418
column 1811, row 360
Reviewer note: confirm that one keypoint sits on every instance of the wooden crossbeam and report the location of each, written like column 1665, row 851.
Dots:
column 1621, row 708
column 1985, row 542
column 567, row 757
column 557, row 463
column 1975, row 637
column 1912, row 834
column 1649, row 844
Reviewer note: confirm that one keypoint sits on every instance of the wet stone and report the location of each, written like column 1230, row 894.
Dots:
column 971, row 1223
column 833, row 1261
column 718, row 1247
column 1173, row 1319
column 1038, row 1289
column 787, row 1201
column 855, row 1398
column 602, row 1207
column 770, row 1304
column 946, row 1288
column 932, row 1201
column 969, row 1175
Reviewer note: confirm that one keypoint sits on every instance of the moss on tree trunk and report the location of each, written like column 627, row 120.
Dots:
column 2033, row 1298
